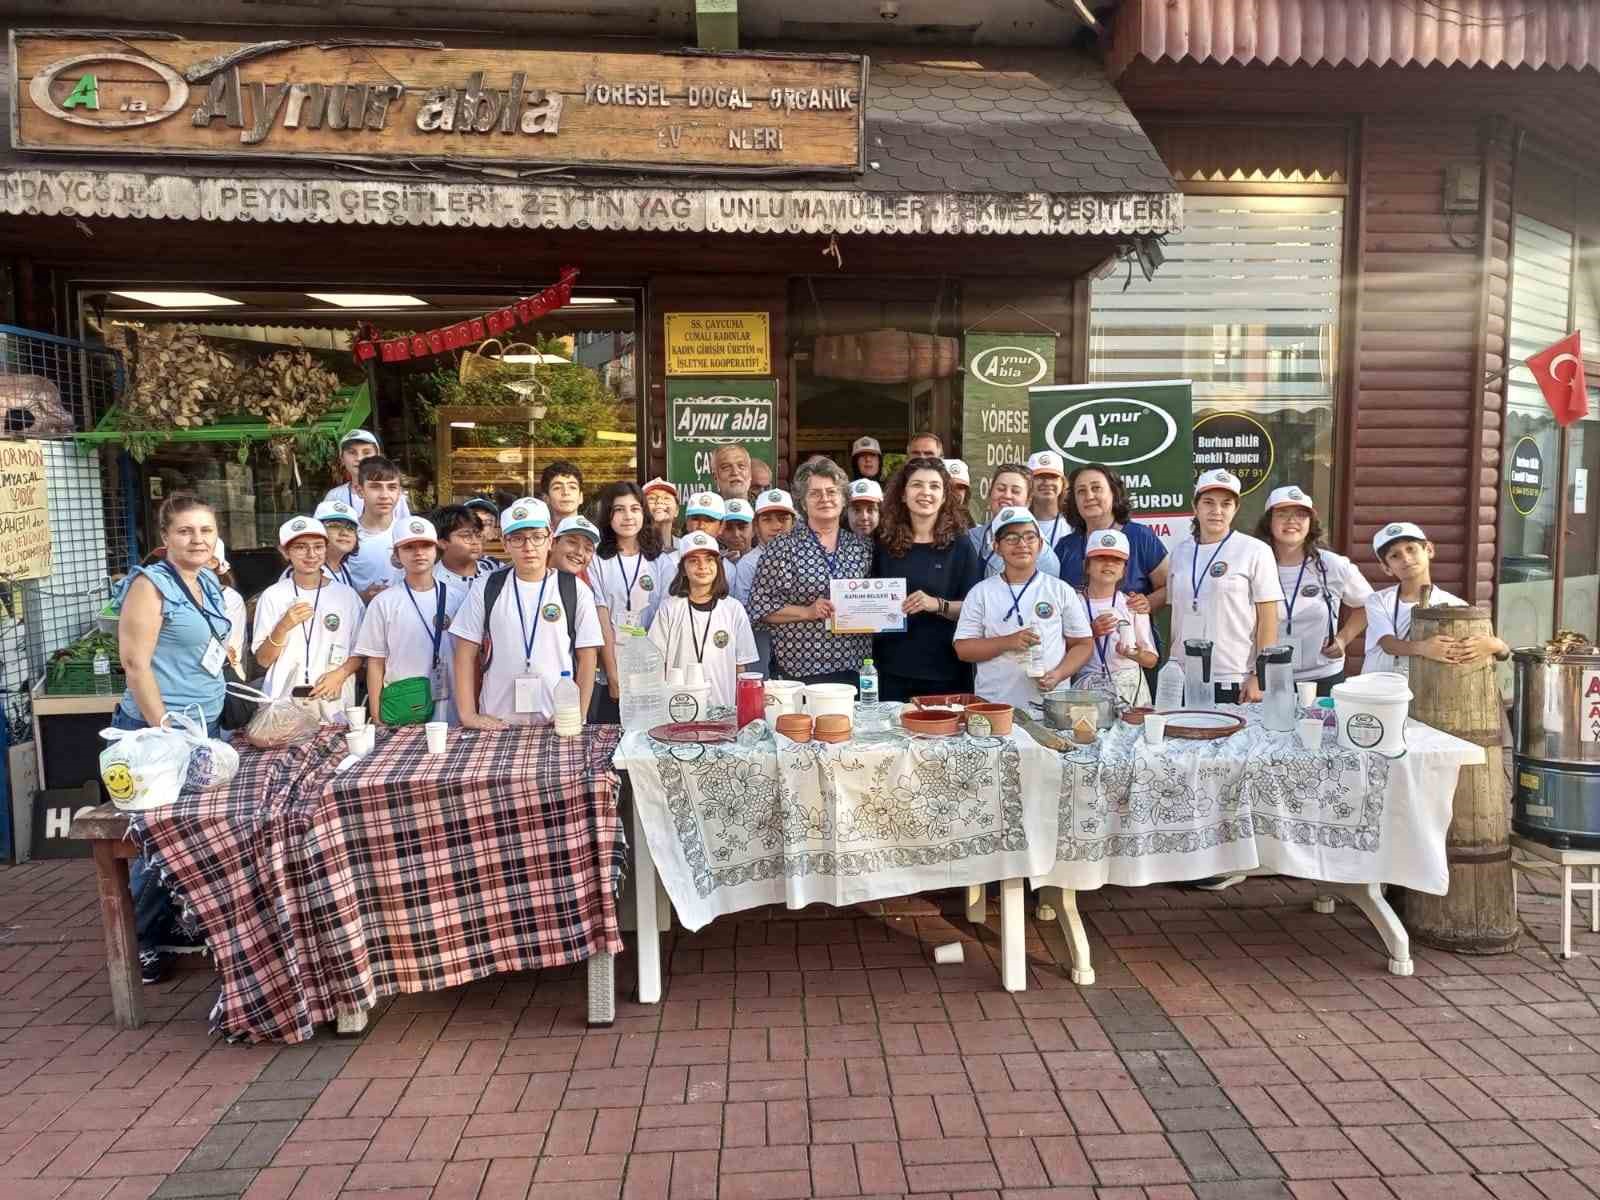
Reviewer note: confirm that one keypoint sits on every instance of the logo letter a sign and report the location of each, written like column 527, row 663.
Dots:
column 85, row 92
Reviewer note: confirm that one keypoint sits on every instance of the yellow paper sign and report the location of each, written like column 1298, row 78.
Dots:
column 725, row 343
column 24, row 512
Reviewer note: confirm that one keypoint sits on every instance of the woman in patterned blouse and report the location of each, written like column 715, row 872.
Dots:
column 790, row 593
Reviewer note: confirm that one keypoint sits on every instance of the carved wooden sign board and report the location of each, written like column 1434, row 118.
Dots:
column 157, row 94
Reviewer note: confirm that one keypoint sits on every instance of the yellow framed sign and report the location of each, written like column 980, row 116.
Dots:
column 719, row 343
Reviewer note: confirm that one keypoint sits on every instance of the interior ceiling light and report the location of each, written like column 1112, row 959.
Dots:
column 367, row 300
column 180, row 299
column 590, row 300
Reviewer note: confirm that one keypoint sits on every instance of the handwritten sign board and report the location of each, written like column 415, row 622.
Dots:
column 719, row 343
column 420, row 100
column 703, row 414
column 24, row 512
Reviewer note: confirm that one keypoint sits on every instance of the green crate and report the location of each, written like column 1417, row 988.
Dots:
column 79, row 679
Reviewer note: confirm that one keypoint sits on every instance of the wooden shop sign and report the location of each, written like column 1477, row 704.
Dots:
column 358, row 99
column 719, row 343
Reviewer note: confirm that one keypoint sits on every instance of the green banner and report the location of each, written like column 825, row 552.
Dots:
column 1001, row 367
column 703, row 414
column 1143, row 430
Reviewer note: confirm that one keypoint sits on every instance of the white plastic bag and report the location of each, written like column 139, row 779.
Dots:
column 212, row 763
column 144, row 768
column 279, row 722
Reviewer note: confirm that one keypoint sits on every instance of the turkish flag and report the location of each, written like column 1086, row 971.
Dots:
column 1558, row 369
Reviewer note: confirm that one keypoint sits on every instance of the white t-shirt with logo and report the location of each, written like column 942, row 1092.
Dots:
column 333, row 632
column 1316, row 597
column 1384, row 619
column 403, row 637
column 546, row 621
column 1233, row 576
column 348, row 493
column 724, row 635
column 373, row 559
column 1136, row 632
column 631, row 583
column 1053, row 608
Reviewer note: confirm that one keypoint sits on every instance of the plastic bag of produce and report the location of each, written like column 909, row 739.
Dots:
column 144, row 768
column 212, row 763
column 279, row 722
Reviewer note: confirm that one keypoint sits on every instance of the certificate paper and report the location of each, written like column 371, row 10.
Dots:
column 868, row 605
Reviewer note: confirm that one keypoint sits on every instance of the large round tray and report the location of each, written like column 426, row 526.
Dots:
column 695, row 732
column 1198, row 725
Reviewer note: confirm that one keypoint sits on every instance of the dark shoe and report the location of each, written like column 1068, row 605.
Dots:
column 1215, row 883
column 154, row 966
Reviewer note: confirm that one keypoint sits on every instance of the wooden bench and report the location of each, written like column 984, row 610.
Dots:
column 106, row 831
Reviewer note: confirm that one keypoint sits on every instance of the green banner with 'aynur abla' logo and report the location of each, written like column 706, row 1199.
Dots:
column 1000, row 368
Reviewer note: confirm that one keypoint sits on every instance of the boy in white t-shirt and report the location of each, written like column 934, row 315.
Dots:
column 405, row 634
column 572, row 550
column 461, row 562
column 354, row 447
column 510, row 649
column 371, row 567
column 1006, row 616
column 1407, row 557
column 737, row 528
column 307, row 623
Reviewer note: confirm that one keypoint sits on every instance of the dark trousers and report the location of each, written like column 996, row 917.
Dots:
column 902, row 687
column 853, row 678
column 1325, row 686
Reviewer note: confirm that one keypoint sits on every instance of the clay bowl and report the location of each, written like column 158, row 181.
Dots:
column 999, row 717
column 1135, row 716
column 835, row 738
column 830, row 726
column 949, row 700
column 930, row 724
column 795, row 726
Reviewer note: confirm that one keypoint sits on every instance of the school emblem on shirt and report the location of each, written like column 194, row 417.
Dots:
column 1218, row 570
column 331, row 622
column 648, row 584
column 1311, row 590
column 551, row 612
column 1044, row 610
column 720, row 639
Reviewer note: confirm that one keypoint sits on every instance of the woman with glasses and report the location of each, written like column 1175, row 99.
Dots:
column 920, row 540
column 791, row 591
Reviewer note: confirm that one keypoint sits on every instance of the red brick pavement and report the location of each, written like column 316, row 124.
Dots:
column 1236, row 1046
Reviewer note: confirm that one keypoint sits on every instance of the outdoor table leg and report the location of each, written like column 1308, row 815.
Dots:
column 1077, row 939
column 977, row 903
column 1368, row 897
column 122, row 942
column 1324, row 904
column 1013, row 937
column 644, row 900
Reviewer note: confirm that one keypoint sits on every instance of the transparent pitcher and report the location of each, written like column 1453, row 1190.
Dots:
column 1198, row 690
column 1275, row 671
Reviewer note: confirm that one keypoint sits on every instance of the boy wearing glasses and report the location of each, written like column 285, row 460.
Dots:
column 510, row 649
column 461, row 560
column 1026, row 630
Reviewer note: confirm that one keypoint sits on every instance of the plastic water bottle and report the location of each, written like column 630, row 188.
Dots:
column 867, row 695
column 1169, row 686
column 1036, row 668
column 643, row 682
column 569, row 719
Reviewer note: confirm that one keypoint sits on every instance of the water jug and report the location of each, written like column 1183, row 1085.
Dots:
column 1198, row 690
column 1275, row 671
column 643, row 680
column 569, row 717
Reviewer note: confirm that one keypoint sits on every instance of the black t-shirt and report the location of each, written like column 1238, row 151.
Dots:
column 926, row 649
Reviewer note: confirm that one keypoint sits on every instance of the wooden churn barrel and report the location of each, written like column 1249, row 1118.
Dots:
column 1477, row 915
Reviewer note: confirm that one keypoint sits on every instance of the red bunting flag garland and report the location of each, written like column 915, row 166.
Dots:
column 464, row 333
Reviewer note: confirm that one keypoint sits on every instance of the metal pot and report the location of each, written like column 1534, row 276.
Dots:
column 1547, row 716
column 1065, row 707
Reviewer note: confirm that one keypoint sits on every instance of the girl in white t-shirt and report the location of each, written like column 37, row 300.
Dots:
column 306, row 624
column 1318, row 587
column 631, row 570
column 1124, row 646
column 1021, row 619
column 699, row 622
column 1224, row 589
column 404, row 635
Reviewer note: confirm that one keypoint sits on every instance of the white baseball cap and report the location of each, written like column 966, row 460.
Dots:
column 1046, row 462
column 526, row 513
column 1216, row 479
column 357, row 436
column 775, row 500
column 707, row 504
column 299, row 527
column 1108, row 543
column 739, row 510
column 1292, row 495
column 865, row 491
column 697, row 541
column 579, row 524
column 1010, row 515
column 866, row 445
column 335, row 510
column 659, row 484
column 957, row 471
column 415, row 529
column 1396, row 531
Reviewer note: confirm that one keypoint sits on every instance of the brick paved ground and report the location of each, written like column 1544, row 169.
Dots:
column 1237, row 1046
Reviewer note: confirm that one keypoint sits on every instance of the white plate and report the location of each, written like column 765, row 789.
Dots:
column 1202, row 721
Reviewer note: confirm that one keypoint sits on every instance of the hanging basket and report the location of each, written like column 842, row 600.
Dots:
column 484, row 362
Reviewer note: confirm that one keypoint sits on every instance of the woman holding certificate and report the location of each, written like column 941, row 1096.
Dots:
column 920, row 540
column 792, row 591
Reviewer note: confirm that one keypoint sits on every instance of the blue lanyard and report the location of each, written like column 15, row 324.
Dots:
column 1197, row 579
column 438, row 623
column 199, row 607
column 1055, row 527
column 522, row 624
column 350, row 494
column 1016, row 597
column 310, row 627
column 1100, row 643
column 986, row 544
column 1288, row 625
column 627, row 584
column 831, row 559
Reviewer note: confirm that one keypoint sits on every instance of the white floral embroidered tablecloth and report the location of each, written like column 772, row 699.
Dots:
column 732, row 826
column 1133, row 814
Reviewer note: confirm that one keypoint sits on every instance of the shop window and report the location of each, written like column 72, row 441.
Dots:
column 1246, row 306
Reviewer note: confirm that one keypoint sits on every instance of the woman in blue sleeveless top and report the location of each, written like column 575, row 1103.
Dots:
column 173, row 637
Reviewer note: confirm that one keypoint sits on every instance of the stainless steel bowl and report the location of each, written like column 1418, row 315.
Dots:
column 1064, row 707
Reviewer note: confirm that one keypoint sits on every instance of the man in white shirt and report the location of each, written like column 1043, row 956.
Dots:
column 372, row 565
column 544, row 627
column 355, row 447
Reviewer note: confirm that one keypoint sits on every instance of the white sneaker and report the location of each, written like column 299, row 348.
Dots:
column 1217, row 883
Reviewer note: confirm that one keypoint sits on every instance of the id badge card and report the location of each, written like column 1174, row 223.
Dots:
column 216, row 654
column 439, row 681
column 527, row 696
column 336, row 655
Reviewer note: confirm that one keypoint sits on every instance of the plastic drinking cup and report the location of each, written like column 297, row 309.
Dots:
column 1310, row 732
column 436, row 732
column 948, row 953
column 674, row 677
column 1155, row 729
column 1307, row 694
column 356, row 715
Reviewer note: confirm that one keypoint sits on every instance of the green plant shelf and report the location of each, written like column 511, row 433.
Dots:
column 239, row 427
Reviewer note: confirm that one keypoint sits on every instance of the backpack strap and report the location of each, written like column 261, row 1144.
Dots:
column 567, row 585
column 492, row 587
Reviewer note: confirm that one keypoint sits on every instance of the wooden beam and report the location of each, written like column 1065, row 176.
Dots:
column 716, row 24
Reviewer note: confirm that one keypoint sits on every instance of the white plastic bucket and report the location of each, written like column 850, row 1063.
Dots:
column 825, row 698
column 1370, row 711
column 781, row 696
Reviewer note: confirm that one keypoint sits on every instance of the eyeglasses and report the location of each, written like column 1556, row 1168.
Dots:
column 824, row 494
column 1018, row 539
column 536, row 537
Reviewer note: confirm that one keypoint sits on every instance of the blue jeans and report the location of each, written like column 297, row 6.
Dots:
column 155, row 919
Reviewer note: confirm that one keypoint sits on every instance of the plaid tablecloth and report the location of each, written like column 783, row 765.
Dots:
column 320, row 892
